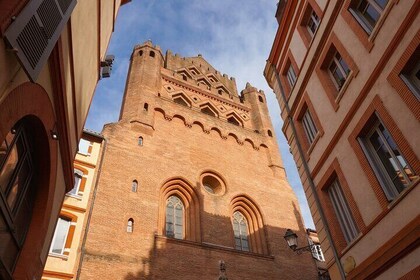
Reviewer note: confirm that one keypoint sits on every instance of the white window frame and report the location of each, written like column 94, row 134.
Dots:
column 63, row 247
column 309, row 126
column 338, row 67
column 342, row 212
column 291, row 76
column 75, row 191
column 387, row 185
column 361, row 19
column 313, row 20
column 89, row 144
column 316, row 250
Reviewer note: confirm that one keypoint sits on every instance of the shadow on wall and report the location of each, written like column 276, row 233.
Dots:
column 183, row 259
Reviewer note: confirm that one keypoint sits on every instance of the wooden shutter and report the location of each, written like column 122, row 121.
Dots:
column 35, row 31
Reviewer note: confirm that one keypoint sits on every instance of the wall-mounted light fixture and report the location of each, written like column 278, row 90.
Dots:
column 292, row 241
column 107, row 66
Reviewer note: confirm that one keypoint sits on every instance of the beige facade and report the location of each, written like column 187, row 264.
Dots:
column 191, row 176
column 65, row 250
column 346, row 74
column 50, row 58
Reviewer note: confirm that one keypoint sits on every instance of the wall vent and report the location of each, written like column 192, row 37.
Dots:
column 34, row 32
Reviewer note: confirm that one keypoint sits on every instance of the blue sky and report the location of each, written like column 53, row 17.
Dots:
column 234, row 36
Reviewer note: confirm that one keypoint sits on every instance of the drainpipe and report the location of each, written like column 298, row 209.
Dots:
column 308, row 175
column 82, row 255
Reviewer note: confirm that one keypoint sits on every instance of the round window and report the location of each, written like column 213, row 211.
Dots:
column 213, row 184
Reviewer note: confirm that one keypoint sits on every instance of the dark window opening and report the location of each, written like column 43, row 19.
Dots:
column 270, row 133
column 152, row 53
column 260, row 99
column 146, row 107
column 232, row 120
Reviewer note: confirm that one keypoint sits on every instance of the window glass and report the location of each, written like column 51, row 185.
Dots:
column 309, row 126
column 60, row 236
column 84, row 146
column 134, row 185
column 240, row 230
column 174, row 218
column 342, row 211
column 77, row 182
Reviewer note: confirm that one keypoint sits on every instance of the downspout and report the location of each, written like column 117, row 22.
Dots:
column 308, row 175
column 90, row 211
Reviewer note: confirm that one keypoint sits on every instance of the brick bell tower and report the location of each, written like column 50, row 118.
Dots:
column 191, row 176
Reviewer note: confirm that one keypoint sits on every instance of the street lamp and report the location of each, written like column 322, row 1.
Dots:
column 292, row 241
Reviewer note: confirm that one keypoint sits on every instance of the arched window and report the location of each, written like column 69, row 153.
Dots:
column 152, row 53
column 134, row 186
column 270, row 133
column 240, row 230
column 174, row 224
column 260, row 99
column 78, row 175
column 141, row 52
column 146, row 107
column 140, row 141
column 130, row 225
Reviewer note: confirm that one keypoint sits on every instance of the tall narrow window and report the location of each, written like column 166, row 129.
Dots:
column 269, row 133
column 260, row 99
column 411, row 73
column 368, row 12
column 130, row 225
column 339, row 70
column 309, row 126
column 240, row 230
column 140, row 141
column 313, row 23
column 78, row 175
column 385, row 158
column 60, row 236
column 174, row 218
column 134, row 186
column 152, row 53
column 342, row 211
column 146, row 107
column 291, row 76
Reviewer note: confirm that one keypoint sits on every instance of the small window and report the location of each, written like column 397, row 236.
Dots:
column 316, row 251
column 140, row 141
column 411, row 73
column 234, row 121
column 60, row 236
column 184, row 77
column 140, row 52
column 152, row 53
column 309, row 126
column 388, row 163
column 146, row 107
column 174, row 224
column 368, row 12
column 220, row 91
column 208, row 111
column 240, row 231
column 130, row 225
column 84, row 146
column 313, row 23
column 78, row 175
column 269, row 133
column 181, row 101
column 338, row 70
column 134, row 186
column 342, row 211
column 291, row 76
column 260, row 98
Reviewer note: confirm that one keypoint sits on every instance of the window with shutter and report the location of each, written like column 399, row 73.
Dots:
column 35, row 31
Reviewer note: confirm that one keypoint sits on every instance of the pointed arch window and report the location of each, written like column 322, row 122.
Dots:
column 140, row 141
column 174, row 225
column 240, row 230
